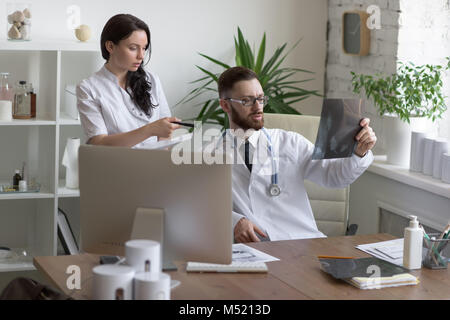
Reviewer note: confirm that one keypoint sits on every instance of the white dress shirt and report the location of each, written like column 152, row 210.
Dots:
column 106, row 108
column 289, row 215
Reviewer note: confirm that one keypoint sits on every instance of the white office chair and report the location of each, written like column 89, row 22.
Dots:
column 330, row 206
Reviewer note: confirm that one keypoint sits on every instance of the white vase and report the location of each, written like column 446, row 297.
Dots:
column 398, row 137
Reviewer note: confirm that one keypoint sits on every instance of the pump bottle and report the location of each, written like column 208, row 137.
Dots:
column 412, row 245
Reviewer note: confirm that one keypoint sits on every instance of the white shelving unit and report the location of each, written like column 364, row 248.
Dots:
column 28, row 220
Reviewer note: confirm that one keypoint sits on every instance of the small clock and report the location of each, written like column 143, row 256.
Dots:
column 355, row 33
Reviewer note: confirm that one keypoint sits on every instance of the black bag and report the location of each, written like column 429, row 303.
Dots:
column 29, row 289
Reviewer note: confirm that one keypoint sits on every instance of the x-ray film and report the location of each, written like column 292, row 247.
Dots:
column 339, row 124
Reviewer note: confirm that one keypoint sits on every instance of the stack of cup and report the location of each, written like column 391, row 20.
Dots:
column 417, row 151
column 428, row 152
column 430, row 156
column 440, row 147
column 113, row 282
column 445, row 158
column 149, row 281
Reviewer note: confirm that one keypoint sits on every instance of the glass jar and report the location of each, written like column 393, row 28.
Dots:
column 18, row 21
column 6, row 91
column 22, row 102
column 30, row 91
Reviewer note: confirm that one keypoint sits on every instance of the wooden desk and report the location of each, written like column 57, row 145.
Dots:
column 296, row 276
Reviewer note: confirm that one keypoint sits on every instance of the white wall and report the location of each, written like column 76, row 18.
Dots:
column 424, row 36
column 181, row 28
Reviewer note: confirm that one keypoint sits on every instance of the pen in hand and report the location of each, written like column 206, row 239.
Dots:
column 190, row 125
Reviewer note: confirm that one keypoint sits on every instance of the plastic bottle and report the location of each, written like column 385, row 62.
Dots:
column 412, row 246
column 16, row 179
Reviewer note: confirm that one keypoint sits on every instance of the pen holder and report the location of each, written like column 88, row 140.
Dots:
column 434, row 258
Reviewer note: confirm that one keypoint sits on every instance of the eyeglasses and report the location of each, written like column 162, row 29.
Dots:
column 250, row 101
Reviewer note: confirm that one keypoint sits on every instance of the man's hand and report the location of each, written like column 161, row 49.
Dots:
column 244, row 231
column 366, row 138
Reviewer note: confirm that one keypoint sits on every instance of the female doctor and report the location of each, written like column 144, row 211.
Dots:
column 122, row 104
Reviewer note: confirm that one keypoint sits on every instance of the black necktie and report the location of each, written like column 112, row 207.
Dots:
column 247, row 156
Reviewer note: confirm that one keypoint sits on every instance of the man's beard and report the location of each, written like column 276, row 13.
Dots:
column 247, row 123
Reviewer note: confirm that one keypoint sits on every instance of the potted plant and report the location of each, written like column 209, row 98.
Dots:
column 413, row 93
column 275, row 81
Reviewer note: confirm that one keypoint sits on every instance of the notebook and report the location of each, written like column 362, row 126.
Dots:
column 368, row 273
column 233, row 267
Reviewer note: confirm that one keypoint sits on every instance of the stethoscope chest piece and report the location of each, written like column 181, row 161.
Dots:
column 274, row 190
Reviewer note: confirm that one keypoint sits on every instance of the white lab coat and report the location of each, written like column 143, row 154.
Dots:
column 106, row 108
column 289, row 215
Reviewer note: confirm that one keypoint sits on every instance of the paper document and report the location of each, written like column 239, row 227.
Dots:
column 169, row 143
column 391, row 251
column 244, row 253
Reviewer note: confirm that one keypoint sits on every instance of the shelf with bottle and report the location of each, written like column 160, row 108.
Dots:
column 43, row 193
column 23, row 189
column 29, row 81
column 31, row 150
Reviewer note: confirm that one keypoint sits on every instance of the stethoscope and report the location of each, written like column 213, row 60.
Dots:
column 274, row 188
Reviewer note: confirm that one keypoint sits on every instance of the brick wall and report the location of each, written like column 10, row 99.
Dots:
column 411, row 30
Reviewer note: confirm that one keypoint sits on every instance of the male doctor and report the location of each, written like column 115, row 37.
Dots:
column 269, row 196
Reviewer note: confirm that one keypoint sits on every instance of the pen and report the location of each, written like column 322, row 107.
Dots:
column 429, row 245
column 334, row 257
column 190, row 125
column 447, row 228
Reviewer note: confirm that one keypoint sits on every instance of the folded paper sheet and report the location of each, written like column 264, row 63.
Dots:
column 70, row 161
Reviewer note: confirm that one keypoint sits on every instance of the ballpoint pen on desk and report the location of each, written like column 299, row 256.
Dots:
column 334, row 257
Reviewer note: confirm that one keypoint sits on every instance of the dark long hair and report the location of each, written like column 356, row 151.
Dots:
column 120, row 27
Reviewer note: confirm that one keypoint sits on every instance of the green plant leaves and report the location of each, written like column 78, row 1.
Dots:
column 274, row 80
column 412, row 91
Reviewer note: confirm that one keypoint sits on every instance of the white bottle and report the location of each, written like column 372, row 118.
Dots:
column 412, row 246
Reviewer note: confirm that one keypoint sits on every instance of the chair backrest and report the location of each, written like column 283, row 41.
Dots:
column 330, row 206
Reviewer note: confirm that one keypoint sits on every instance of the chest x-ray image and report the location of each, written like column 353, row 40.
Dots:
column 339, row 124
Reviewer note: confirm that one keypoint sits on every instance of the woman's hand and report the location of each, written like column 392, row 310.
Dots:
column 164, row 127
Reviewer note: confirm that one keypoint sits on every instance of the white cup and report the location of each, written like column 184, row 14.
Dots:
column 428, row 156
column 440, row 147
column 417, row 146
column 151, row 286
column 445, row 167
column 113, row 282
column 143, row 255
